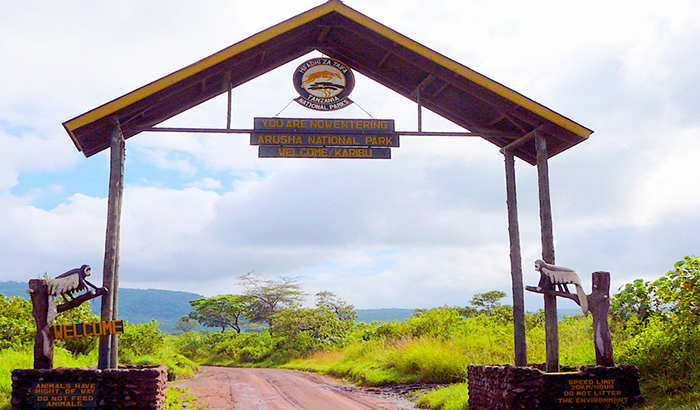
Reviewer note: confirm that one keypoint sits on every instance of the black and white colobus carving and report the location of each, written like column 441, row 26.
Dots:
column 70, row 282
column 560, row 277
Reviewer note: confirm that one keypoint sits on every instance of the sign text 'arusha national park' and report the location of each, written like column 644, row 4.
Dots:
column 324, row 138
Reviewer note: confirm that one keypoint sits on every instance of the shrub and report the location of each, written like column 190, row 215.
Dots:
column 140, row 340
column 17, row 326
column 667, row 357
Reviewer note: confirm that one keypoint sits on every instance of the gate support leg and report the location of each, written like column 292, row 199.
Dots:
column 550, row 300
column 516, row 270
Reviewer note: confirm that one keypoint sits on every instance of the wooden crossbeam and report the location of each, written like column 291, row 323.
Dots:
column 79, row 300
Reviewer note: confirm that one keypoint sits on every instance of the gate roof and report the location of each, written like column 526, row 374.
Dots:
column 448, row 88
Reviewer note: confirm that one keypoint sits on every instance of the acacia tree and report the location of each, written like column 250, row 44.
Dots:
column 186, row 324
column 336, row 304
column 306, row 330
column 220, row 311
column 269, row 296
column 487, row 302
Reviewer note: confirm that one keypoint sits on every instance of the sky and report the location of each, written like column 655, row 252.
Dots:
column 427, row 228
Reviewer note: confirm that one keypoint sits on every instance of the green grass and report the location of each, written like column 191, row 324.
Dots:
column 23, row 358
column 180, row 398
column 454, row 397
column 435, row 359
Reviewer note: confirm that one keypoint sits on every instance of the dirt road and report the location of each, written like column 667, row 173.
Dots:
column 222, row 388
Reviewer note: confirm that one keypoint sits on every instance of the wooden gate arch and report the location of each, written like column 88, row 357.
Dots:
column 520, row 127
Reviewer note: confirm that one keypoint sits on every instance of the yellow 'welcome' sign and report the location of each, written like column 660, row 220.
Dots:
column 75, row 330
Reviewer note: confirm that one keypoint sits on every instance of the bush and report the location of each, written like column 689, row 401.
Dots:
column 667, row 357
column 140, row 340
column 229, row 348
column 17, row 326
column 78, row 345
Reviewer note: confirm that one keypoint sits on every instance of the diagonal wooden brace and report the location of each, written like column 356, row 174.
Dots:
column 79, row 300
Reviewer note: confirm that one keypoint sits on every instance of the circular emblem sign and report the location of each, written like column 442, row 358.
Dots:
column 324, row 84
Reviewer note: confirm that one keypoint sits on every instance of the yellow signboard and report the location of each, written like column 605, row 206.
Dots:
column 75, row 330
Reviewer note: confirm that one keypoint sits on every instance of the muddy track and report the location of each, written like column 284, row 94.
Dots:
column 221, row 388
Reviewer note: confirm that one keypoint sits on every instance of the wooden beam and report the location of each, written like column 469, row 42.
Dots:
column 599, row 305
column 384, row 58
column 516, row 269
column 547, row 237
column 44, row 311
column 542, row 291
column 423, row 85
column 79, row 300
column 324, row 32
column 547, row 230
column 250, row 131
column 520, row 141
column 110, row 278
column 440, row 90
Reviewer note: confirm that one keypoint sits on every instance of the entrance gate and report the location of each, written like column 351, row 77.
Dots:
column 519, row 126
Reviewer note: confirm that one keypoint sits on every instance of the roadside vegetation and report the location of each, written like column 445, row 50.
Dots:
column 655, row 326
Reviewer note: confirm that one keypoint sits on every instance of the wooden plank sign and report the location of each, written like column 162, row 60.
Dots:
column 323, row 125
column 324, row 152
column 325, row 140
column 75, row 330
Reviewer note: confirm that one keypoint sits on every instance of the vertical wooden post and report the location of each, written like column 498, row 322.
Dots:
column 547, row 235
column 230, row 105
column 110, row 279
column 420, row 109
column 114, row 339
column 44, row 311
column 599, row 304
column 516, row 269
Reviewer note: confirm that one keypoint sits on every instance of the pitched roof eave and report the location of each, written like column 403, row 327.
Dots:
column 473, row 96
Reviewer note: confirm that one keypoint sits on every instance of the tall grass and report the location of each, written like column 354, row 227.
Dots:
column 443, row 357
column 23, row 358
column 413, row 351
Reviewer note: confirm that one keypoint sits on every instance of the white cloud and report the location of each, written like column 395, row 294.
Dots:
column 425, row 228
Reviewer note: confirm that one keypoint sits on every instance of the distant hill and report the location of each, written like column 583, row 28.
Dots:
column 383, row 315
column 167, row 306
column 135, row 305
column 144, row 305
column 14, row 289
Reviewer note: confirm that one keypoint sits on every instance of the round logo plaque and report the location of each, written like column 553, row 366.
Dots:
column 324, row 84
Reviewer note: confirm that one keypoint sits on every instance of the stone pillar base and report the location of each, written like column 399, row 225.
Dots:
column 128, row 387
column 507, row 387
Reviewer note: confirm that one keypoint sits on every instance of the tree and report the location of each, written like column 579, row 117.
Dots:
column 220, row 311
column 673, row 297
column 80, row 314
column 304, row 330
column 186, row 324
column 336, row 304
column 17, row 326
column 487, row 302
column 269, row 296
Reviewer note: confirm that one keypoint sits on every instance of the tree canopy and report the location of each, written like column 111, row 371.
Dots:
column 220, row 311
column 269, row 296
